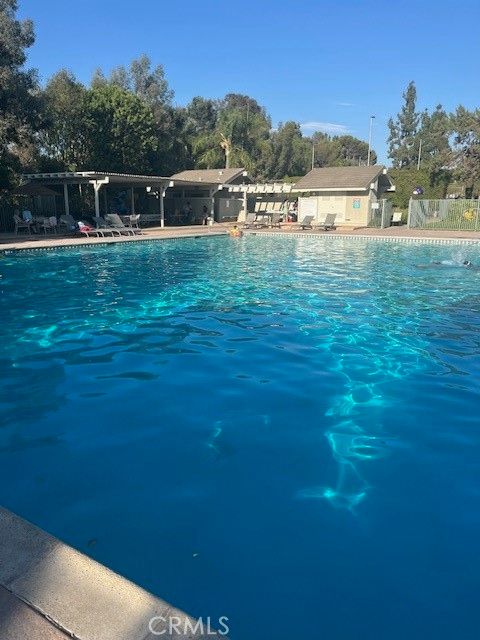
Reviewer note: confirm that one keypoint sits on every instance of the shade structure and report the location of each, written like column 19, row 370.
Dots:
column 34, row 189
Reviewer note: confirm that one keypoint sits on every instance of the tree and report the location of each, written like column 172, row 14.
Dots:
column 289, row 153
column 19, row 103
column 120, row 130
column 140, row 79
column 403, row 139
column 64, row 137
column 340, row 151
column 466, row 125
column 151, row 87
column 434, row 132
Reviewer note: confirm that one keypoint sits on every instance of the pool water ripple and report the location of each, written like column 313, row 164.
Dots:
column 255, row 426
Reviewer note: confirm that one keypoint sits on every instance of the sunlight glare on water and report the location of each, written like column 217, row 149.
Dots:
column 283, row 431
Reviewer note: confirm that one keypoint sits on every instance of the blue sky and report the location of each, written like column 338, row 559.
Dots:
column 326, row 64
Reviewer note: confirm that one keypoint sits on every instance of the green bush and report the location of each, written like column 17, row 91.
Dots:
column 434, row 184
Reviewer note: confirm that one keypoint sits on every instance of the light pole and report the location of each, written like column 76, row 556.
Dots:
column 370, row 140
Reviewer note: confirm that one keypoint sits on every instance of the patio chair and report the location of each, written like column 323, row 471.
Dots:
column 328, row 223
column 49, row 224
column 69, row 223
column 135, row 220
column 102, row 226
column 22, row 224
column 114, row 221
column 249, row 220
column 396, row 218
column 276, row 218
column 306, row 223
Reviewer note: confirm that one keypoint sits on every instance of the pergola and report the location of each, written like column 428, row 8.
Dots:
column 258, row 189
column 157, row 185
column 99, row 179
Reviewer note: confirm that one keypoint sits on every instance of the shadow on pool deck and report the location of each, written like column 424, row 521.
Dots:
column 50, row 591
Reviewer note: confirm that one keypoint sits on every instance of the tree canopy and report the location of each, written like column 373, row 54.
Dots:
column 126, row 120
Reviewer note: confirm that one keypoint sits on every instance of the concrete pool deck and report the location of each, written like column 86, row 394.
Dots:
column 50, row 591
column 12, row 242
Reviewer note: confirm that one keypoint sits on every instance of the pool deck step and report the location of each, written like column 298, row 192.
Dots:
column 50, row 591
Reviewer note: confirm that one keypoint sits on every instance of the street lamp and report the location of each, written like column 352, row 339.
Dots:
column 370, row 140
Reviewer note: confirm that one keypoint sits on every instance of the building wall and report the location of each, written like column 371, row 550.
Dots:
column 352, row 208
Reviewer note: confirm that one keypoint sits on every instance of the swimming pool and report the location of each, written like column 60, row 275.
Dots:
column 279, row 430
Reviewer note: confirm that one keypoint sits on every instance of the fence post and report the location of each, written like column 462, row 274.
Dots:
column 409, row 213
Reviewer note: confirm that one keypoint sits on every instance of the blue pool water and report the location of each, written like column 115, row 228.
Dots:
column 283, row 431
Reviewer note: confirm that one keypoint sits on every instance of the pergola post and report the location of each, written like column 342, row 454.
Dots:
column 96, row 188
column 132, row 201
column 245, row 205
column 97, row 185
column 65, row 198
column 161, row 195
column 212, row 204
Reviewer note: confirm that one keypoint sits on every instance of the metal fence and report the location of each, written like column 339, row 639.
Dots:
column 453, row 215
column 381, row 216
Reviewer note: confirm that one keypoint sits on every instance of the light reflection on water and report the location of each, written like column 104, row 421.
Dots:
column 270, row 406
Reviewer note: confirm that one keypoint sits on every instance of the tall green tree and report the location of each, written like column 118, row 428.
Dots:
column 340, row 151
column 434, row 132
column 466, row 155
column 289, row 153
column 120, row 130
column 20, row 112
column 403, row 140
column 64, row 137
column 150, row 85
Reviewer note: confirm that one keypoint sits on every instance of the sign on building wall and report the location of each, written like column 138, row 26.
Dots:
column 356, row 203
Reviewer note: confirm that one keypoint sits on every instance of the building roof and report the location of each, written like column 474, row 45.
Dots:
column 62, row 177
column 339, row 179
column 209, row 176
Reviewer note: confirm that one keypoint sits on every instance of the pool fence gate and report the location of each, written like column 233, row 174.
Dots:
column 380, row 214
column 449, row 214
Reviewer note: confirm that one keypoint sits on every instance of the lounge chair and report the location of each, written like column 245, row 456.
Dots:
column 276, row 219
column 328, row 223
column 86, row 230
column 306, row 223
column 103, row 227
column 22, row 224
column 396, row 218
column 114, row 221
column 69, row 223
column 251, row 221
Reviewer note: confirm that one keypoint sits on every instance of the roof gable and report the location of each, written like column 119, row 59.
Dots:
column 209, row 176
column 339, row 178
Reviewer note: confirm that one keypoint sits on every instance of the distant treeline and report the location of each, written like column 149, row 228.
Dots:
column 127, row 122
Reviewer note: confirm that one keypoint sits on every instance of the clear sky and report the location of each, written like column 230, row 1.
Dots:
column 328, row 64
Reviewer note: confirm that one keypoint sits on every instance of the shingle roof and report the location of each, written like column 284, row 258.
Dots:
column 209, row 176
column 338, row 178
